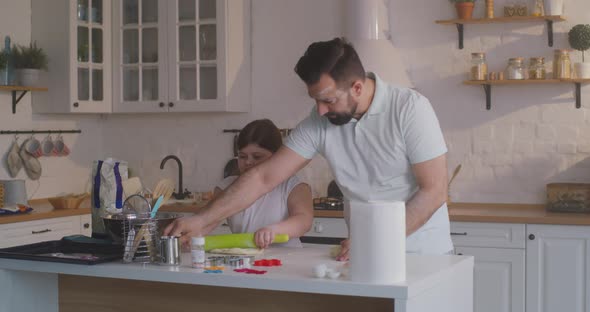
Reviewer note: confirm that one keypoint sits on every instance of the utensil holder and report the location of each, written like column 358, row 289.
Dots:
column 141, row 243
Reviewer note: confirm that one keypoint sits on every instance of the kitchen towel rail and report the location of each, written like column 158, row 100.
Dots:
column 38, row 131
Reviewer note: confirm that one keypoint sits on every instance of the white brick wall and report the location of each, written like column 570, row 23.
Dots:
column 533, row 135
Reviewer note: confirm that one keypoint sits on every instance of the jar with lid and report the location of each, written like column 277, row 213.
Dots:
column 198, row 252
column 537, row 68
column 562, row 65
column 516, row 69
column 479, row 67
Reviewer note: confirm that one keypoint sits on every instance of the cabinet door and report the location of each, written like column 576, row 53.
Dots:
column 90, row 51
column 140, row 60
column 196, row 49
column 558, row 268
column 22, row 233
column 499, row 279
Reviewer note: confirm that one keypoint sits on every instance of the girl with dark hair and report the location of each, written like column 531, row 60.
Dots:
column 286, row 209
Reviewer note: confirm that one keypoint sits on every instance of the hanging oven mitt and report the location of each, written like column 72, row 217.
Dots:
column 13, row 161
column 31, row 164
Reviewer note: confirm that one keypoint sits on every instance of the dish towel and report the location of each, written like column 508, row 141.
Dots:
column 31, row 164
column 13, row 161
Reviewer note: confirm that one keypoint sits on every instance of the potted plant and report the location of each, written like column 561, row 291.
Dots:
column 464, row 8
column 28, row 62
column 3, row 65
column 579, row 39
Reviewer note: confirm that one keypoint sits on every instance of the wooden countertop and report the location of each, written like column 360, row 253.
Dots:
column 42, row 209
column 465, row 212
column 514, row 213
column 500, row 213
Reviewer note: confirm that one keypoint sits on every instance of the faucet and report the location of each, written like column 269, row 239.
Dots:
column 180, row 194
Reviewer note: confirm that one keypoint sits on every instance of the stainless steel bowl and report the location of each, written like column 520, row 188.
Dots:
column 114, row 223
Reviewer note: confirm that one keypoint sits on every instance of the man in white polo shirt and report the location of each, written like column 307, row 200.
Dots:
column 382, row 143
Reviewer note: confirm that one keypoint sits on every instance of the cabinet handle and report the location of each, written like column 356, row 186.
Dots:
column 41, row 232
column 459, row 254
column 76, row 104
column 162, row 104
column 170, row 104
column 318, row 227
column 532, row 236
column 455, row 233
column 86, row 225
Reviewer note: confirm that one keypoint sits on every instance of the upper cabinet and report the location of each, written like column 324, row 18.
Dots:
column 76, row 34
column 181, row 56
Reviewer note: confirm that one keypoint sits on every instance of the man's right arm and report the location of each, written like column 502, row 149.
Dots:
column 241, row 194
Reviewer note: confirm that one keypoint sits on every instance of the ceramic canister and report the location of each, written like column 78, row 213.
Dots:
column 14, row 192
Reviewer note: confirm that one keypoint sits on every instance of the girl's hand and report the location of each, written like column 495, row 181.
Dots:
column 264, row 237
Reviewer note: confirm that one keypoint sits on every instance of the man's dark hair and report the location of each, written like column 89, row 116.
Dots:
column 336, row 57
column 262, row 132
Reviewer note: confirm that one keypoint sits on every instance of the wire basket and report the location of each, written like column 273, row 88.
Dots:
column 141, row 240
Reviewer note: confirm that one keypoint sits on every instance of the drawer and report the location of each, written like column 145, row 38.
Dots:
column 22, row 233
column 223, row 228
column 476, row 234
column 86, row 225
column 328, row 227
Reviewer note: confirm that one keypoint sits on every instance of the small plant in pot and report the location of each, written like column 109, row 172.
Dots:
column 579, row 39
column 29, row 61
column 464, row 8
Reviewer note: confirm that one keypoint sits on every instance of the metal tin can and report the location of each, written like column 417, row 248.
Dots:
column 170, row 250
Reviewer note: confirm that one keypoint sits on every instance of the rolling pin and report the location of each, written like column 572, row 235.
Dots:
column 240, row 240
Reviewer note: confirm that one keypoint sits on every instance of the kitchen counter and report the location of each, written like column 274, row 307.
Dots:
column 42, row 209
column 501, row 213
column 434, row 283
column 514, row 213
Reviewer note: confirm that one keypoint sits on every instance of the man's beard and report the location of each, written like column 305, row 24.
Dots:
column 340, row 119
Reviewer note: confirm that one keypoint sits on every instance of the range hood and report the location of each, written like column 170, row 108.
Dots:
column 367, row 27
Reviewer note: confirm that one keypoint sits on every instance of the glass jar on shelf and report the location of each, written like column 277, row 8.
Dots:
column 537, row 68
column 538, row 8
column 516, row 69
column 562, row 65
column 479, row 67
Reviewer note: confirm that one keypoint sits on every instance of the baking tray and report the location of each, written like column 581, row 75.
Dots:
column 65, row 251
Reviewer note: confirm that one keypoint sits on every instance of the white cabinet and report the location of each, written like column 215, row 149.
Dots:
column 76, row 34
column 558, row 268
column 328, row 227
column 29, row 232
column 499, row 253
column 181, row 56
column 499, row 278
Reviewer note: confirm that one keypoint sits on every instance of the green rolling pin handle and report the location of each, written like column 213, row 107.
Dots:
column 240, row 240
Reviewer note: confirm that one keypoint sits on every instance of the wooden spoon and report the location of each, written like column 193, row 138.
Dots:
column 164, row 188
column 455, row 173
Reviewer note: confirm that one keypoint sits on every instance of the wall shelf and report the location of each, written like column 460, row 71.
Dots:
column 549, row 19
column 23, row 90
column 487, row 86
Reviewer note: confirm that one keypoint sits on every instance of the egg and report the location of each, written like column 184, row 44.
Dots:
column 319, row 271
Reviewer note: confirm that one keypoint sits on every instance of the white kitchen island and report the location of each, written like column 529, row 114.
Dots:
column 434, row 283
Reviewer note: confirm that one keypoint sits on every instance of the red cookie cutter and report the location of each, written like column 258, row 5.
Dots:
column 268, row 262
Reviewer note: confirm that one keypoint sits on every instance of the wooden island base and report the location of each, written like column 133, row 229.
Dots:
column 96, row 294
